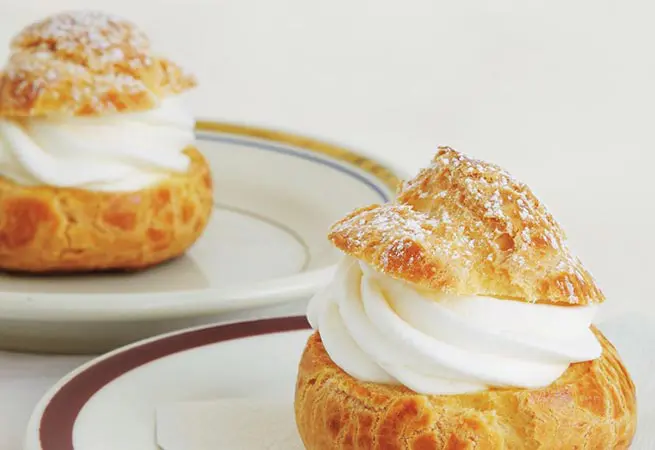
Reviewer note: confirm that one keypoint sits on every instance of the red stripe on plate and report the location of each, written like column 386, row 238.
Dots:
column 60, row 414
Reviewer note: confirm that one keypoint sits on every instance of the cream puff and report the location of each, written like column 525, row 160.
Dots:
column 98, row 168
column 460, row 319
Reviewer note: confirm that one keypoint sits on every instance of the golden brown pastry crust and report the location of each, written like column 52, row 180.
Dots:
column 85, row 63
column 591, row 406
column 467, row 227
column 47, row 229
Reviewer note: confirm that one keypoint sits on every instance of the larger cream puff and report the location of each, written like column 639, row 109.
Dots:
column 98, row 168
column 459, row 319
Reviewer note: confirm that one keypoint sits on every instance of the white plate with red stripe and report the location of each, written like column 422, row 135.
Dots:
column 111, row 402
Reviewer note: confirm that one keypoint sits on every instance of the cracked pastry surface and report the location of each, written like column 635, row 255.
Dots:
column 86, row 63
column 45, row 229
column 466, row 226
column 98, row 164
column 591, row 406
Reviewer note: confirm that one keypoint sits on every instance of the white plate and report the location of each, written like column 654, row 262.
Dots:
column 110, row 402
column 276, row 195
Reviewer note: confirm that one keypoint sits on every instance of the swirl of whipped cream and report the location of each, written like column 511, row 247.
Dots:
column 117, row 152
column 382, row 330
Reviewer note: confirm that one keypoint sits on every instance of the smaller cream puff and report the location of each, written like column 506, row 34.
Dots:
column 98, row 168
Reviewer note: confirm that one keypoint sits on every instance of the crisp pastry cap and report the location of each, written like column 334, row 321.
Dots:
column 85, row 63
column 467, row 227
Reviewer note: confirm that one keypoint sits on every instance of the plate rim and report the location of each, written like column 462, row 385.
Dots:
column 52, row 422
column 373, row 166
column 74, row 306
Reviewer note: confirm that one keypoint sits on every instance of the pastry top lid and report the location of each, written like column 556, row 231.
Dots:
column 85, row 63
column 467, row 227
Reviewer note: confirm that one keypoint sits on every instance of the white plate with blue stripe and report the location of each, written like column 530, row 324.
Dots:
column 276, row 195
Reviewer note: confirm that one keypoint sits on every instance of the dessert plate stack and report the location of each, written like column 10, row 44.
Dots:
column 276, row 194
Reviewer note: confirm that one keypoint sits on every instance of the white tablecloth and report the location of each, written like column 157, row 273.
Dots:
column 560, row 93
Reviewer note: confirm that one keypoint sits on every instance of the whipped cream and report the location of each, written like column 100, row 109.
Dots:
column 117, row 152
column 382, row 330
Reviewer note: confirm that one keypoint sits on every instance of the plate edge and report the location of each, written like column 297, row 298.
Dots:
column 51, row 427
column 377, row 169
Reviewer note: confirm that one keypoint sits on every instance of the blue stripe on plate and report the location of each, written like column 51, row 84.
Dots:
column 290, row 152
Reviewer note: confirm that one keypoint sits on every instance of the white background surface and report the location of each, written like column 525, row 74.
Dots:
column 560, row 93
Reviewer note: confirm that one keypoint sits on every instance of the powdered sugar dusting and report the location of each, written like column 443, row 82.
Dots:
column 99, row 61
column 397, row 227
column 468, row 220
column 396, row 252
column 92, row 39
column 119, row 82
column 389, row 222
column 83, row 86
column 93, row 30
column 490, row 198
